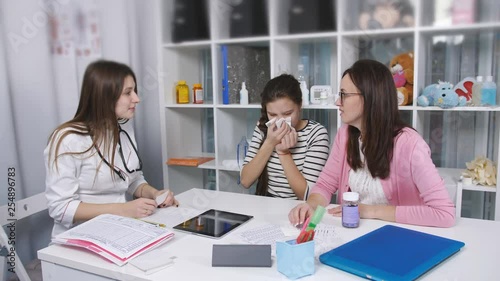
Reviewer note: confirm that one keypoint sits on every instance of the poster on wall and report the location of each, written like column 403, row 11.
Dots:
column 74, row 29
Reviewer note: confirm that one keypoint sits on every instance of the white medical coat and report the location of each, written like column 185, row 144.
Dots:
column 77, row 178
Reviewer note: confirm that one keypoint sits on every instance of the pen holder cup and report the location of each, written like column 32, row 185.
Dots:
column 295, row 260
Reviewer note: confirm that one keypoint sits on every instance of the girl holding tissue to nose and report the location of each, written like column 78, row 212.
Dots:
column 92, row 160
column 287, row 153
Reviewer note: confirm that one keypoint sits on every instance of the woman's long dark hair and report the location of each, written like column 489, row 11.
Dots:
column 381, row 119
column 95, row 116
column 283, row 86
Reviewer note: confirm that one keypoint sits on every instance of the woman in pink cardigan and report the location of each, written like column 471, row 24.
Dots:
column 377, row 155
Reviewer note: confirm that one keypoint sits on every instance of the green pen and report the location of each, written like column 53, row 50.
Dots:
column 316, row 218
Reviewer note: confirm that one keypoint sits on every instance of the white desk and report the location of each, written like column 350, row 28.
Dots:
column 478, row 260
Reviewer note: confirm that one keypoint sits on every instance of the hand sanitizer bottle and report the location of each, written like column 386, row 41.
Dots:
column 305, row 93
column 242, row 149
column 241, row 152
column 301, row 76
column 489, row 92
column 243, row 94
column 476, row 91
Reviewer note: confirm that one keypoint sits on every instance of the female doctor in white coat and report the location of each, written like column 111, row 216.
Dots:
column 92, row 160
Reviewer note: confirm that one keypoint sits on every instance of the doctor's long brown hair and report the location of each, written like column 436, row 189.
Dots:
column 381, row 120
column 102, row 86
column 283, row 86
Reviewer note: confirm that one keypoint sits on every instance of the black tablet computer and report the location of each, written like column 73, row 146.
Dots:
column 213, row 223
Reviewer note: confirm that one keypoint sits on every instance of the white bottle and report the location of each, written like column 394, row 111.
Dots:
column 489, row 92
column 243, row 94
column 476, row 91
column 305, row 93
column 300, row 74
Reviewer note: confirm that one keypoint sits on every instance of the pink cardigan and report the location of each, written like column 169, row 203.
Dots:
column 414, row 185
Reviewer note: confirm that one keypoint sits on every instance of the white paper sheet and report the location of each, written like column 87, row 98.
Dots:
column 153, row 261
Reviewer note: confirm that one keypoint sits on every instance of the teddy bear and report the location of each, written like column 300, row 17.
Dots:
column 401, row 67
column 442, row 94
column 378, row 14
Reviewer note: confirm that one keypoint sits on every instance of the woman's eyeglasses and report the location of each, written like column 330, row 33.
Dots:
column 343, row 95
column 120, row 151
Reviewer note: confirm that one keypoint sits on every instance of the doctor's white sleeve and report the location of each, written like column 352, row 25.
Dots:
column 61, row 185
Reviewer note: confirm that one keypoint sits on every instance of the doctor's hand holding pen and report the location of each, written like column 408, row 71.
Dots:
column 144, row 205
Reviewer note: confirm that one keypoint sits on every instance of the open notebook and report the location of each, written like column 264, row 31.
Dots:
column 116, row 238
column 391, row 253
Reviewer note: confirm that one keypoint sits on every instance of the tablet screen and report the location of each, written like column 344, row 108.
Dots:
column 213, row 223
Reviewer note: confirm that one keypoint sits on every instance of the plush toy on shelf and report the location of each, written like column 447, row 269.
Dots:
column 442, row 95
column 382, row 14
column 401, row 67
column 399, row 78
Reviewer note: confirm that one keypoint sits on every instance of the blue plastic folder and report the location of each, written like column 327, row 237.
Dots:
column 391, row 253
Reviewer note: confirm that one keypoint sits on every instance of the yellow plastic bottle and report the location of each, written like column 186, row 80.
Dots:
column 182, row 92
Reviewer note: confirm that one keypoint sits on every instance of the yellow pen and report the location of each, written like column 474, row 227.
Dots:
column 155, row 223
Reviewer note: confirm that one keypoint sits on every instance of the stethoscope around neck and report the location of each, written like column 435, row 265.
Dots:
column 120, row 151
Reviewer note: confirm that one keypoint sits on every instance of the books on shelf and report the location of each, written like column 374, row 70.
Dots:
column 116, row 238
column 189, row 161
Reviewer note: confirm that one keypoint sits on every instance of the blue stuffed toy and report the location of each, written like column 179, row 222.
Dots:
column 442, row 95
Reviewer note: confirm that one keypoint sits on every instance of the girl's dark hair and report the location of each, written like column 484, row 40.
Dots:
column 95, row 116
column 381, row 119
column 283, row 86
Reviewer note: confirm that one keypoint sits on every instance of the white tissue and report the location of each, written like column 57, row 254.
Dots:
column 288, row 120
column 161, row 198
column 280, row 121
column 270, row 122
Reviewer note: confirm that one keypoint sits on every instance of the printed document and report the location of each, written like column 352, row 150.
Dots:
column 116, row 238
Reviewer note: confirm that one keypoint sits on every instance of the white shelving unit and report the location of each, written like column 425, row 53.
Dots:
column 449, row 53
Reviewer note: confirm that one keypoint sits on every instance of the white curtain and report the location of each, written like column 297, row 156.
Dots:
column 45, row 46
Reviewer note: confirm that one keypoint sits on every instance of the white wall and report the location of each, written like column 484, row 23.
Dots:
column 30, row 108
column 145, row 61
column 28, row 76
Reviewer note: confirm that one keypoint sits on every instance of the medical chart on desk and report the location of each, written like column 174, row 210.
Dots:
column 326, row 236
